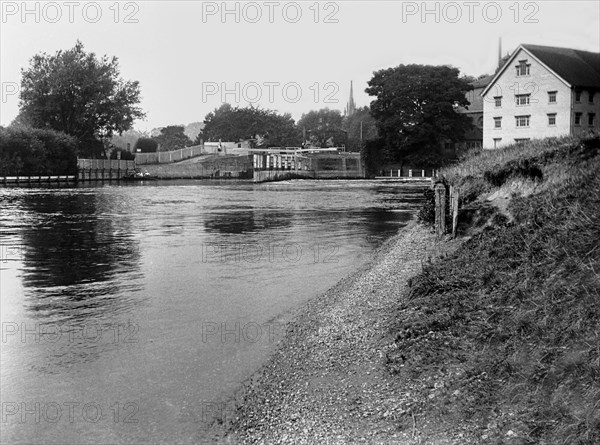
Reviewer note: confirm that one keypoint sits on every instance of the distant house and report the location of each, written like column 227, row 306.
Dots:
column 542, row 91
column 474, row 137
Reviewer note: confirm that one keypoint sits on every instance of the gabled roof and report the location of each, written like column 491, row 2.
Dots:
column 574, row 67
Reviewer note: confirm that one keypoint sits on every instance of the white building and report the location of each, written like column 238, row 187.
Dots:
column 542, row 91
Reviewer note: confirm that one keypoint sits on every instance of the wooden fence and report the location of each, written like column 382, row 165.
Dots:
column 103, row 169
column 166, row 157
column 39, row 179
column 407, row 172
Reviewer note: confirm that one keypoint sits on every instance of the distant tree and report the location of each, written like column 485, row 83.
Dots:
column 172, row 137
column 193, row 130
column 352, row 125
column 266, row 127
column 79, row 94
column 127, row 137
column 277, row 130
column 415, row 107
column 323, row 128
column 146, row 145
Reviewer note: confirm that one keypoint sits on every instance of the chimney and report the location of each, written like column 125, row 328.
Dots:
column 499, row 51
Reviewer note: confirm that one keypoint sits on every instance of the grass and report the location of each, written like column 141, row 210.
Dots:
column 484, row 170
column 509, row 325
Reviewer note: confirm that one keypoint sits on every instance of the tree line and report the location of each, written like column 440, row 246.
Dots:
column 75, row 103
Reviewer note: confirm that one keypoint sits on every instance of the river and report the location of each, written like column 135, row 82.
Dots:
column 131, row 312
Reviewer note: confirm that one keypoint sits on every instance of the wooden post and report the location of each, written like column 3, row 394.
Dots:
column 440, row 209
column 454, row 194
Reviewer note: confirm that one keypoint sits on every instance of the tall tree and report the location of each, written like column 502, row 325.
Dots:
column 415, row 110
column 323, row 128
column 172, row 137
column 78, row 93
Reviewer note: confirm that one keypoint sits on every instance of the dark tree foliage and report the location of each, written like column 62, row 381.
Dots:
column 125, row 155
column 323, row 128
column 146, row 145
column 265, row 127
column 374, row 155
column 30, row 152
column 172, row 137
column 79, row 94
column 415, row 111
column 352, row 125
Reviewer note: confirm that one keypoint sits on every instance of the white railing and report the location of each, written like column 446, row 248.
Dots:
column 166, row 157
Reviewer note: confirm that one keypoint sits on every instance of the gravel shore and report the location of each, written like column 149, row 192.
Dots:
column 327, row 382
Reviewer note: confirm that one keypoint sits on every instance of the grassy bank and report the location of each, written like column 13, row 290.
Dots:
column 500, row 342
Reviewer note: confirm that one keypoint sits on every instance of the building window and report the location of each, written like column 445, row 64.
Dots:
column 497, row 122
column 523, row 68
column 522, row 99
column 591, row 97
column 497, row 142
column 578, row 118
column 552, row 119
column 498, row 101
column 522, row 121
column 577, row 96
column 552, row 97
column 591, row 117
column 521, row 140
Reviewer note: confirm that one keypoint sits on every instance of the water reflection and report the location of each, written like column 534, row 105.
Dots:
column 243, row 221
column 79, row 260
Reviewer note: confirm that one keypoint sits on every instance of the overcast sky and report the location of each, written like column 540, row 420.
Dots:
column 294, row 57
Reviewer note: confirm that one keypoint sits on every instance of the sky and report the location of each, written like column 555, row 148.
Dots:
column 292, row 57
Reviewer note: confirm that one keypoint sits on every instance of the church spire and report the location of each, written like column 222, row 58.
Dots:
column 351, row 106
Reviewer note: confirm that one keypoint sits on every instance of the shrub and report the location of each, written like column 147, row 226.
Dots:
column 32, row 151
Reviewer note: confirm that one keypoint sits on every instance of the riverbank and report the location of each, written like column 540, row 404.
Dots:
column 496, row 342
column 328, row 381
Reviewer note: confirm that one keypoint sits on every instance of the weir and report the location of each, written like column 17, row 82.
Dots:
column 275, row 165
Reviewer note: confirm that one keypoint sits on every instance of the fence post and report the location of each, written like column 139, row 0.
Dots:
column 440, row 209
column 454, row 195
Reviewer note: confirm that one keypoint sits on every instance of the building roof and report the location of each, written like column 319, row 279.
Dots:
column 579, row 68
column 575, row 67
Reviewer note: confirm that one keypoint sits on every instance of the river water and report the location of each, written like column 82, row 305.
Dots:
column 131, row 312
